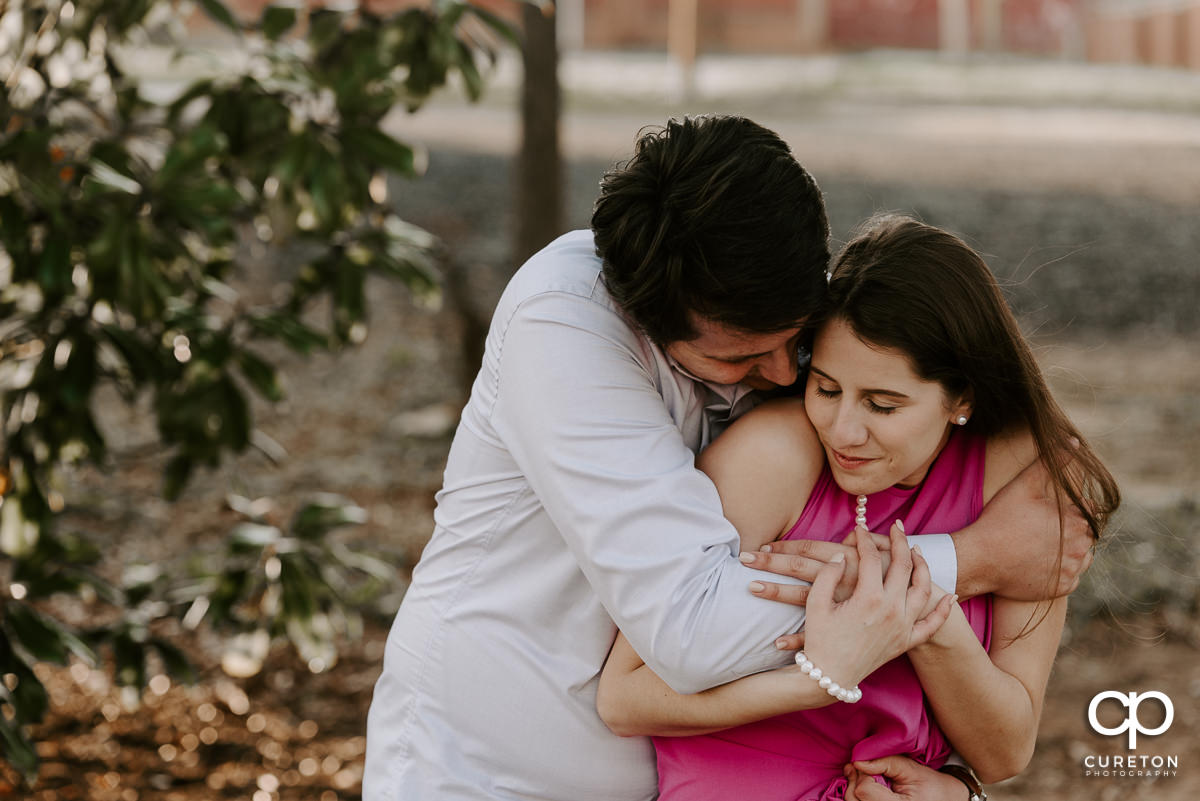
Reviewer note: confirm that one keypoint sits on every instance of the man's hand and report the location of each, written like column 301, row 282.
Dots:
column 1013, row 548
column 911, row 781
column 803, row 559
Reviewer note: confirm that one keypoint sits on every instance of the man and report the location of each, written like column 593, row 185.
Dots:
column 571, row 505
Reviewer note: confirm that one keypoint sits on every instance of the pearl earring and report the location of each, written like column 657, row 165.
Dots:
column 962, row 420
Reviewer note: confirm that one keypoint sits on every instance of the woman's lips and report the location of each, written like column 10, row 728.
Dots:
column 849, row 462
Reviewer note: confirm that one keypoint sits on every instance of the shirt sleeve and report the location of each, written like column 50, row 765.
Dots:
column 586, row 425
column 939, row 553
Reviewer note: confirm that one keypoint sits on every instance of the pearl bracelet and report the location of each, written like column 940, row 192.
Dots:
column 849, row 695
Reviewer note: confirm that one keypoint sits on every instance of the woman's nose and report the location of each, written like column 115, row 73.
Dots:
column 848, row 430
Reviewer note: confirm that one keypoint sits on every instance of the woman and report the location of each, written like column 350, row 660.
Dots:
column 922, row 400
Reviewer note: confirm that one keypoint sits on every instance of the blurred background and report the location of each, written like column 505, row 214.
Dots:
column 1061, row 138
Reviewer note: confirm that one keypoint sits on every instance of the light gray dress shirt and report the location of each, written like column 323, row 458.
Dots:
column 571, row 507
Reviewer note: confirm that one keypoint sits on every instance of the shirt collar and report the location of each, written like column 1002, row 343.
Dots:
column 721, row 396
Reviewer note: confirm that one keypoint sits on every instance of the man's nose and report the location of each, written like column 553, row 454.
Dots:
column 779, row 367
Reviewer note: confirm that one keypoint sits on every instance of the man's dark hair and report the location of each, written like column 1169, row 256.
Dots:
column 712, row 216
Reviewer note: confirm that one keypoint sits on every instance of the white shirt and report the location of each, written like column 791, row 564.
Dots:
column 571, row 506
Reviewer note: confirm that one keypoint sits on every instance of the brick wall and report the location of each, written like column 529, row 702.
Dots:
column 1165, row 34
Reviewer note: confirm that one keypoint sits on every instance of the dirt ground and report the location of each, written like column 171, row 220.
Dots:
column 1103, row 271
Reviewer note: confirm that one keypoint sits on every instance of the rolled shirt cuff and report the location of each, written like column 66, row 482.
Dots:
column 939, row 553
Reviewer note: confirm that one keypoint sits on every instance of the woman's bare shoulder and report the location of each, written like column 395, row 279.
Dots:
column 764, row 468
column 778, row 431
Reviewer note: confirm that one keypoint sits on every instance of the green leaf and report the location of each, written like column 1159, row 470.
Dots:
column 29, row 698
column 373, row 566
column 254, row 535
column 325, row 513
column 261, row 375
column 290, row 331
column 44, row 638
column 470, row 73
column 17, row 749
column 381, row 149
column 141, row 358
column 276, row 20
column 175, row 661
column 176, row 476
column 54, row 274
column 300, row 585
column 195, row 91
column 235, row 417
column 221, row 13
column 129, row 660
column 324, row 28
column 106, row 178
column 497, row 24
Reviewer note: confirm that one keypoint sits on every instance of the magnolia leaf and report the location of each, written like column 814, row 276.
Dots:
column 16, row 748
column 43, row 637
column 106, row 177
column 276, row 20
column 325, row 513
column 221, row 13
column 254, row 535
column 175, row 662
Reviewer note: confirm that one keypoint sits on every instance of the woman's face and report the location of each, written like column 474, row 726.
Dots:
column 881, row 425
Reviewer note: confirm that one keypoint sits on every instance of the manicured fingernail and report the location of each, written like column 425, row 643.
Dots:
column 900, row 525
column 781, row 644
column 954, row 598
column 838, row 558
column 757, row 586
column 765, row 548
column 746, row 558
column 917, row 550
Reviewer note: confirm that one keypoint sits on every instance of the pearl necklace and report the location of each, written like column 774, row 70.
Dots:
column 860, row 511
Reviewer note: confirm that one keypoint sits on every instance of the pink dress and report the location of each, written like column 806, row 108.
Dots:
column 799, row 756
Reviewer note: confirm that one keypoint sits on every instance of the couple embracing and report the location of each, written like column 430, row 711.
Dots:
column 604, row 567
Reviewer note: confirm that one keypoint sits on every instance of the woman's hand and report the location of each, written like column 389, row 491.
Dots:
column 885, row 615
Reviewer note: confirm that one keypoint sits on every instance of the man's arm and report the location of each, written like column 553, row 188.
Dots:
column 1019, row 548
column 1014, row 548
column 889, row 615
column 581, row 415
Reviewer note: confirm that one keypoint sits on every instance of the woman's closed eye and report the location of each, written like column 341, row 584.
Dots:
column 822, row 392
column 875, row 407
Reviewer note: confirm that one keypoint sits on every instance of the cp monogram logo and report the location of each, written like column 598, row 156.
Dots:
column 1131, row 724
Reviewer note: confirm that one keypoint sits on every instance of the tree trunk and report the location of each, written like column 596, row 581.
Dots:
column 539, row 178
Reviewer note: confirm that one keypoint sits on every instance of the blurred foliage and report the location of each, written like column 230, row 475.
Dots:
column 122, row 223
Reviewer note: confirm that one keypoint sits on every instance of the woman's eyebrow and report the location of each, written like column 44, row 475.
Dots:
column 891, row 393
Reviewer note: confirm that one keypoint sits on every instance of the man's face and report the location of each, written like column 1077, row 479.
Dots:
column 726, row 355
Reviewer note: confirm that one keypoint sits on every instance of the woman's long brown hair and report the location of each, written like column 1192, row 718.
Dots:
column 902, row 284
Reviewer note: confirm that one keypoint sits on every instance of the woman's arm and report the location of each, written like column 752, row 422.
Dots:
column 633, row 700
column 883, row 611
column 989, row 707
